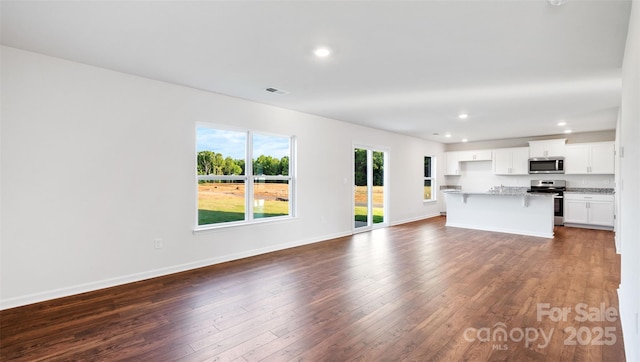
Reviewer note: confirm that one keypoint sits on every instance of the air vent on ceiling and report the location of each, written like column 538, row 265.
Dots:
column 276, row 91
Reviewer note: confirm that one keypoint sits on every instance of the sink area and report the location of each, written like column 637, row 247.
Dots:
column 508, row 190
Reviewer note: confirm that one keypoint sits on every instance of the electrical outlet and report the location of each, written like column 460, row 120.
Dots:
column 158, row 243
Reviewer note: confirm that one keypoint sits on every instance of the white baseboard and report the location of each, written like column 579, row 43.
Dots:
column 588, row 226
column 414, row 219
column 112, row 282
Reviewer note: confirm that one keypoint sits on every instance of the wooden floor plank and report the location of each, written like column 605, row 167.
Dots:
column 417, row 291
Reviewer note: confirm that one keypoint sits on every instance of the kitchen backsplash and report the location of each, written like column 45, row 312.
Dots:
column 479, row 177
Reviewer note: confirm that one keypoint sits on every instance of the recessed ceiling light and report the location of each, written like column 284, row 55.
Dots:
column 464, row 140
column 567, row 131
column 322, row 52
column 448, row 135
column 463, row 116
column 557, row 2
column 562, row 123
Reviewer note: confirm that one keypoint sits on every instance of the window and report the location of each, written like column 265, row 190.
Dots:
column 242, row 176
column 429, row 179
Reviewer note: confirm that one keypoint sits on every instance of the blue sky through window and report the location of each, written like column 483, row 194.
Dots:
column 233, row 144
column 273, row 146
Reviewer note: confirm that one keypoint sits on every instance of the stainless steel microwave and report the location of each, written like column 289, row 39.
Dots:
column 546, row 165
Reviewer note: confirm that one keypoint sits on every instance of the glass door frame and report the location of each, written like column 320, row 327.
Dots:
column 370, row 204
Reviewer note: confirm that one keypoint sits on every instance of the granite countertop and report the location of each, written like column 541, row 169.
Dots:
column 450, row 187
column 499, row 193
column 590, row 190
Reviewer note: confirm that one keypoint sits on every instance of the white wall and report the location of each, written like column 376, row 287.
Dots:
column 630, row 191
column 96, row 164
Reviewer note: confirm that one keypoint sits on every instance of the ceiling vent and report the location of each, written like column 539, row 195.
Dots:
column 276, row 91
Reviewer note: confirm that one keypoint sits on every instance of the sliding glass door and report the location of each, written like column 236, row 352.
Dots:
column 369, row 206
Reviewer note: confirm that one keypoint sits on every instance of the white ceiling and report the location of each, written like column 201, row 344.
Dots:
column 517, row 67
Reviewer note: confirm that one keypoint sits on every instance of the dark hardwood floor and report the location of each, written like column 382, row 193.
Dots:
column 419, row 291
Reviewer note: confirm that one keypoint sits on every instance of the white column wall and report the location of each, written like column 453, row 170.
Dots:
column 629, row 188
column 97, row 164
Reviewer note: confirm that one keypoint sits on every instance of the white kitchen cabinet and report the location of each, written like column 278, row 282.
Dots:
column 452, row 163
column 547, row 148
column 589, row 209
column 601, row 213
column 454, row 158
column 511, row 161
column 590, row 158
column 520, row 161
column 575, row 211
column 577, row 159
column 603, row 158
column 479, row 155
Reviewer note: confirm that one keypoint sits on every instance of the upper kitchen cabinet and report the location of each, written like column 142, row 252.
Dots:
column 480, row 155
column 511, row 161
column 452, row 163
column 547, row 148
column 590, row 158
column 454, row 158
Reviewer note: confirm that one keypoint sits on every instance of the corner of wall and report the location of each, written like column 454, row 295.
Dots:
column 629, row 291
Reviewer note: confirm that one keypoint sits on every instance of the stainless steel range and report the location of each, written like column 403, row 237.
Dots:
column 556, row 187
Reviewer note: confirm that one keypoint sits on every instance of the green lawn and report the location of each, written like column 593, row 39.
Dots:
column 232, row 209
column 360, row 214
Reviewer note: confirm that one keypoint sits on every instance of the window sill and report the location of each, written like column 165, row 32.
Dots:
column 240, row 224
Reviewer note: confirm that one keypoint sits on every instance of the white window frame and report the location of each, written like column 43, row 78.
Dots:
column 432, row 178
column 249, row 180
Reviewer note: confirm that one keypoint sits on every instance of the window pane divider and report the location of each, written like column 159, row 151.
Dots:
column 265, row 177
column 221, row 178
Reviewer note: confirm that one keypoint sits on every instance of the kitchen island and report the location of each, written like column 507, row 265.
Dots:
column 508, row 212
